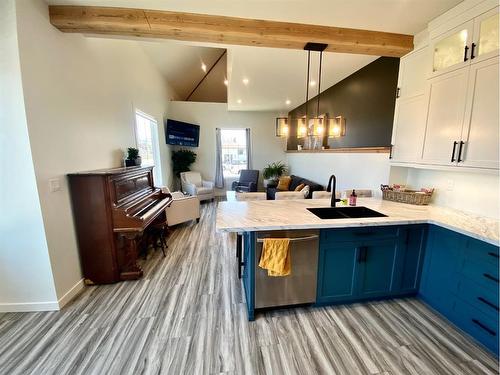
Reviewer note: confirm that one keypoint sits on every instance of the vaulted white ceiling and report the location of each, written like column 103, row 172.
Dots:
column 181, row 64
column 275, row 75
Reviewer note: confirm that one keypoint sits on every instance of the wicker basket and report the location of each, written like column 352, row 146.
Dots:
column 409, row 196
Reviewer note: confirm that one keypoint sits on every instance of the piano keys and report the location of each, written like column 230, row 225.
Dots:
column 112, row 208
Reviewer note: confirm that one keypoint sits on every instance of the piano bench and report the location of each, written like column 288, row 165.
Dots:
column 156, row 236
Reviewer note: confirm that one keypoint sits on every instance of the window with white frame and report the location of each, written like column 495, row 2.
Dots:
column 146, row 135
column 234, row 151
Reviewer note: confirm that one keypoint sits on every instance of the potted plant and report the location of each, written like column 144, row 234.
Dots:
column 272, row 172
column 182, row 160
column 133, row 157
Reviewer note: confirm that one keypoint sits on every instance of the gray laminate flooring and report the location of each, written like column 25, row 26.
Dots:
column 187, row 316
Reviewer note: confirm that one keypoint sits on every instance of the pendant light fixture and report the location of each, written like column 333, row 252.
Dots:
column 336, row 127
column 314, row 126
column 302, row 127
column 318, row 125
column 282, row 126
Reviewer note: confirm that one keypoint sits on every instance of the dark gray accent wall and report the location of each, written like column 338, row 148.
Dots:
column 366, row 99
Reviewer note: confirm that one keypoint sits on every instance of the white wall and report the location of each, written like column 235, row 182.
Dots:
column 25, row 270
column 80, row 94
column 477, row 193
column 353, row 170
column 266, row 146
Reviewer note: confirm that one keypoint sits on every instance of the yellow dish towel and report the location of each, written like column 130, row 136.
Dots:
column 275, row 257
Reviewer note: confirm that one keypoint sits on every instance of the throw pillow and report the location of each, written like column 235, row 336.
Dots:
column 305, row 191
column 299, row 187
column 284, row 183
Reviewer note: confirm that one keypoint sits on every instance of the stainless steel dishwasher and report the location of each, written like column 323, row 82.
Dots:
column 300, row 286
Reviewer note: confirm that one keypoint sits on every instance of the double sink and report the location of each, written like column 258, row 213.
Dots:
column 344, row 212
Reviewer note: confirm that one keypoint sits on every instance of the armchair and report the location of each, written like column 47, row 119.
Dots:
column 247, row 182
column 183, row 208
column 193, row 184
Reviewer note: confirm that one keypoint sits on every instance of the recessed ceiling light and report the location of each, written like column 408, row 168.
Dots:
column 288, row 102
column 312, row 83
column 245, row 81
column 238, row 101
column 203, row 67
column 226, row 82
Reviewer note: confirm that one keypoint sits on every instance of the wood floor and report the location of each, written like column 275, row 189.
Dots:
column 187, row 316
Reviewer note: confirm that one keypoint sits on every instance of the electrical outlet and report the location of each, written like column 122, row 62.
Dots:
column 450, row 184
column 54, row 185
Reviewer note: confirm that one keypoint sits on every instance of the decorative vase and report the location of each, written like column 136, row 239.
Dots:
column 129, row 162
column 138, row 161
column 269, row 182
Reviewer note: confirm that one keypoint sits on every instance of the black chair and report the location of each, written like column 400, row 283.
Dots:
column 247, row 182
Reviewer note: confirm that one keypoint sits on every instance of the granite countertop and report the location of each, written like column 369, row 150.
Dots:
column 293, row 214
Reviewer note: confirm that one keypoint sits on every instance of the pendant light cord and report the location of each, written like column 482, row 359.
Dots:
column 319, row 81
column 307, row 82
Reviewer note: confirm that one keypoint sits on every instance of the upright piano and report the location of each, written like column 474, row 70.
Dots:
column 111, row 209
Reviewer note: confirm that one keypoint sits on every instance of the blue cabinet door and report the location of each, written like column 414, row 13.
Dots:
column 351, row 268
column 376, row 265
column 336, row 272
column 248, row 275
column 410, row 260
column 439, row 278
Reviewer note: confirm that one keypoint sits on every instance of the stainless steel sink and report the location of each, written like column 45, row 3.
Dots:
column 344, row 212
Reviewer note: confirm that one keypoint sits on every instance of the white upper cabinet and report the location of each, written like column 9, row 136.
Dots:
column 470, row 42
column 480, row 136
column 447, row 98
column 485, row 44
column 448, row 113
column 409, row 128
column 411, row 107
column 412, row 73
column 451, row 50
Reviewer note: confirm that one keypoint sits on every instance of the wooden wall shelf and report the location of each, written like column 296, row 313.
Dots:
column 351, row 150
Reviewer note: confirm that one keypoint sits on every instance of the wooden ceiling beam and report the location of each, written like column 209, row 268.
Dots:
column 225, row 30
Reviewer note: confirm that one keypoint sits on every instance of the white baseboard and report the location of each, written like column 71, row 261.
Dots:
column 44, row 306
column 70, row 294
column 29, row 306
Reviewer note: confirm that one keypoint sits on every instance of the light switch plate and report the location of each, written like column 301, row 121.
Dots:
column 54, row 185
column 450, row 184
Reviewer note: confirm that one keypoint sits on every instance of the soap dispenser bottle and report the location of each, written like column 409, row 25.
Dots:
column 352, row 198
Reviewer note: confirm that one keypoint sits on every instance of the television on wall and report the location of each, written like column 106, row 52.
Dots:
column 182, row 133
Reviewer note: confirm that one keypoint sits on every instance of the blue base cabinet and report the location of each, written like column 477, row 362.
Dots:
column 369, row 263
column 460, row 280
column 248, row 275
column 336, row 283
column 456, row 275
column 441, row 262
column 411, row 259
column 376, row 271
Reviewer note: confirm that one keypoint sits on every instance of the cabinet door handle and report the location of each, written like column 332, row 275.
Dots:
column 390, row 151
column 398, row 92
column 493, row 255
column 488, row 276
column 490, row 304
column 362, row 253
column 466, row 49
column 473, row 47
column 453, row 151
column 489, row 330
column 460, row 151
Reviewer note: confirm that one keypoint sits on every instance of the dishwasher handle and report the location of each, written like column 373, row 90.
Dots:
column 295, row 239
